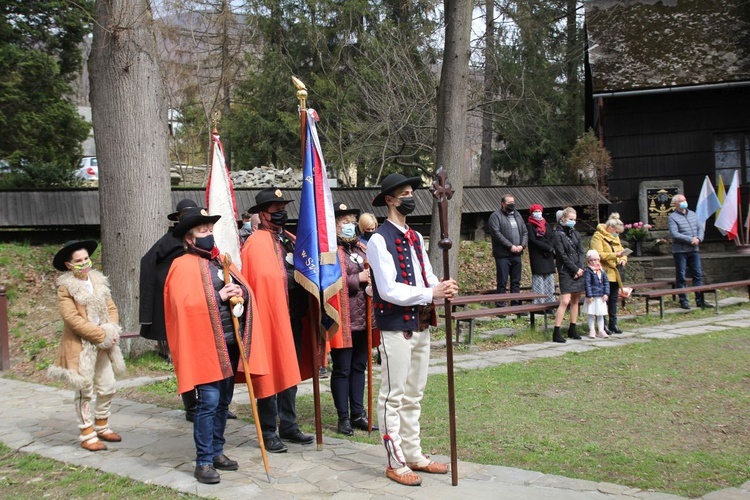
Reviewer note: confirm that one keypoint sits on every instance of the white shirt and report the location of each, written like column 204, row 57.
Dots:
column 385, row 275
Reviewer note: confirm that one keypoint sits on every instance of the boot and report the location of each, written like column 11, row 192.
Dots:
column 613, row 328
column 572, row 333
column 104, row 433
column 557, row 336
column 89, row 440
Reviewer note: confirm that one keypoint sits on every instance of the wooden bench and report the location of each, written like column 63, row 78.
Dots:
column 714, row 287
column 530, row 309
column 470, row 316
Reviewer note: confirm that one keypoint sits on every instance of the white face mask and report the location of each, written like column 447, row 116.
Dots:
column 537, row 215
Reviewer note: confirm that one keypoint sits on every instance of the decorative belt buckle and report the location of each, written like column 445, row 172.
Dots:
column 408, row 334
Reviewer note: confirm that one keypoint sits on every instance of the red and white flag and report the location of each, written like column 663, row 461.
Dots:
column 220, row 201
column 727, row 221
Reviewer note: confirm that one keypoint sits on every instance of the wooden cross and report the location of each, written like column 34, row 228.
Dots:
column 442, row 191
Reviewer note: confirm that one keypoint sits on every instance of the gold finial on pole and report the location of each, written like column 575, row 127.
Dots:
column 216, row 118
column 301, row 92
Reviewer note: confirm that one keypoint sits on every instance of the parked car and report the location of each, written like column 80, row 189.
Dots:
column 89, row 169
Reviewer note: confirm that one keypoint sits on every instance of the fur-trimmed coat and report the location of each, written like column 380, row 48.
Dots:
column 81, row 338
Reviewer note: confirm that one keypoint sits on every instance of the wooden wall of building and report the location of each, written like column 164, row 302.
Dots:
column 668, row 135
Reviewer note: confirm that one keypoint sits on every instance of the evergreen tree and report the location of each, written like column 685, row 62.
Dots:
column 39, row 56
column 539, row 108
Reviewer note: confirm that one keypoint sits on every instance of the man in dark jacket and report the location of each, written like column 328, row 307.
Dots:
column 154, row 269
column 687, row 234
column 509, row 238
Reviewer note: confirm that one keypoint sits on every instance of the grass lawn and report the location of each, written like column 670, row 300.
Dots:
column 669, row 415
column 27, row 475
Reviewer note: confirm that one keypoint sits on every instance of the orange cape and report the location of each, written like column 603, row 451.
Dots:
column 194, row 333
column 263, row 268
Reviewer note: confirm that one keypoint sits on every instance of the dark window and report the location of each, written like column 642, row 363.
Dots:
column 732, row 152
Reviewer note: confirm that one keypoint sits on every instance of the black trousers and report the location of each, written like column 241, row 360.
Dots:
column 348, row 377
column 509, row 267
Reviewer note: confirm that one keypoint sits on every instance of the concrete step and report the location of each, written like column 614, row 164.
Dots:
column 662, row 273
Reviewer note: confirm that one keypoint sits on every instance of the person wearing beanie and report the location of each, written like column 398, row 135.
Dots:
column 541, row 255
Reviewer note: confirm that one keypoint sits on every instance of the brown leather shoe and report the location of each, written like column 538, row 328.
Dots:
column 431, row 468
column 407, row 479
column 109, row 436
column 93, row 445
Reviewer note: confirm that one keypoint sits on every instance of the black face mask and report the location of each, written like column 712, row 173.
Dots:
column 407, row 205
column 367, row 235
column 205, row 243
column 279, row 218
column 509, row 207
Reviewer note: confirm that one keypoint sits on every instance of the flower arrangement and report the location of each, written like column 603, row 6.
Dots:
column 637, row 231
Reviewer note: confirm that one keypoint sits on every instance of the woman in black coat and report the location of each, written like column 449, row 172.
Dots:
column 569, row 255
column 541, row 255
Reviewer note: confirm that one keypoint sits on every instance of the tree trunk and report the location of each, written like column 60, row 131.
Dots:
column 451, row 124
column 485, row 169
column 130, row 122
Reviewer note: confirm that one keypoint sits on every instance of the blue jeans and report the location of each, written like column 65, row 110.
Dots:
column 682, row 260
column 509, row 267
column 211, row 414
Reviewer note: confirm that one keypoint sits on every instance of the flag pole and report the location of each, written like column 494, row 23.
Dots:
column 368, row 316
column 443, row 191
column 315, row 319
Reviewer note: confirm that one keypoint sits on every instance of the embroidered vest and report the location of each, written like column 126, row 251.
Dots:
column 390, row 316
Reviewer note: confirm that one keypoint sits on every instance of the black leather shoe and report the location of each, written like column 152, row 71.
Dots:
column 222, row 462
column 607, row 330
column 231, row 415
column 274, row 445
column 361, row 423
column 615, row 329
column 345, row 427
column 206, row 474
column 685, row 305
column 297, row 437
column 190, row 417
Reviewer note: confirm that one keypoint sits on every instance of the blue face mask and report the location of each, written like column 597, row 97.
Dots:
column 570, row 223
column 248, row 226
column 683, row 205
column 348, row 230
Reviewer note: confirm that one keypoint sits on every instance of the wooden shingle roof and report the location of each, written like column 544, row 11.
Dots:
column 646, row 44
column 80, row 207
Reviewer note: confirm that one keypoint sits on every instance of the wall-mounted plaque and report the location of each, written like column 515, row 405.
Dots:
column 660, row 206
column 655, row 202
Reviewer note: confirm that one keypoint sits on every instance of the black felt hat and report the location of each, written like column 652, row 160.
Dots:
column 265, row 197
column 181, row 207
column 63, row 255
column 191, row 218
column 393, row 182
column 340, row 209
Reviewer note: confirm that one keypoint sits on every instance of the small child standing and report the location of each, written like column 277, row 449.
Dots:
column 597, row 293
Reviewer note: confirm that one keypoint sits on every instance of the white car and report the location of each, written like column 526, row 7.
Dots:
column 89, row 169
